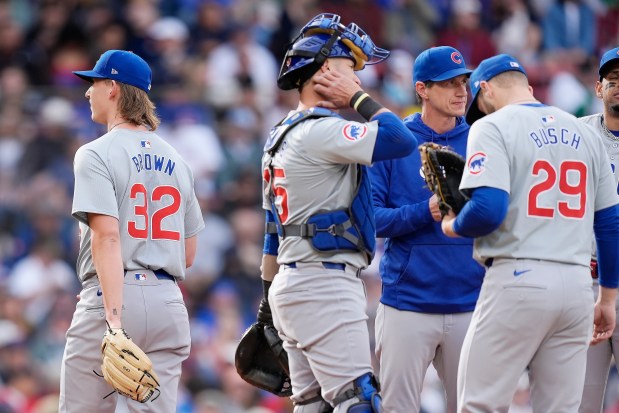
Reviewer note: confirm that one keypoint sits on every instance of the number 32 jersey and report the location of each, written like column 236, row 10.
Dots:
column 556, row 171
column 138, row 178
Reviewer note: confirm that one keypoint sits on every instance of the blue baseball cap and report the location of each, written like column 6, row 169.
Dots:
column 121, row 66
column 607, row 58
column 439, row 63
column 486, row 70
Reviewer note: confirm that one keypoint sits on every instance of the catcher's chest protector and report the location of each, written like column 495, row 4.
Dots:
column 350, row 229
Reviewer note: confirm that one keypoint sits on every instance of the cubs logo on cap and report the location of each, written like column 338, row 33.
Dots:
column 439, row 63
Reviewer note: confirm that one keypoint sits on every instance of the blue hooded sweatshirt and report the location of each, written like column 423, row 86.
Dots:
column 422, row 270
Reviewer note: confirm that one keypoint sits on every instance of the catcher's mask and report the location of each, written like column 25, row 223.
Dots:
column 324, row 37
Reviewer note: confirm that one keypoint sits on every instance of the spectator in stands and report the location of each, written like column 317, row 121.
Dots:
column 569, row 31
column 517, row 34
column 466, row 33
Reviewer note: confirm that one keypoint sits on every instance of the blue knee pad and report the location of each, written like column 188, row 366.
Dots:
column 366, row 389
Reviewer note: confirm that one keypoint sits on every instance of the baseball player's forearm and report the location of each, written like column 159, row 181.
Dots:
column 191, row 246
column 395, row 221
column 483, row 213
column 447, row 225
column 394, row 139
column 269, row 267
column 106, row 255
column 606, row 227
column 404, row 220
column 604, row 315
column 607, row 295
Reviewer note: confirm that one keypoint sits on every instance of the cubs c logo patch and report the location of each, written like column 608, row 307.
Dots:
column 455, row 56
column 355, row 131
column 477, row 163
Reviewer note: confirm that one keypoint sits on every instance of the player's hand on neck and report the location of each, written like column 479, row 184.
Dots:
column 333, row 85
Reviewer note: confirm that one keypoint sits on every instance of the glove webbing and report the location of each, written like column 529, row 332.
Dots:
column 114, row 391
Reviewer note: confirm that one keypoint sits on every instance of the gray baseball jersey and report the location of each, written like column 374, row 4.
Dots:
column 610, row 141
column 322, row 172
column 140, row 179
column 612, row 148
column 314, row 171
column 566, row 179
column 535, row 309
column 599, row 356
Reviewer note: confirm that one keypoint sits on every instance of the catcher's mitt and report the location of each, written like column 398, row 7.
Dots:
column 126, row 367
column 442, row 170
column 261, row 360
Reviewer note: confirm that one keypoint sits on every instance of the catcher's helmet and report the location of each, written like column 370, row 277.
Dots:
column 325, row 37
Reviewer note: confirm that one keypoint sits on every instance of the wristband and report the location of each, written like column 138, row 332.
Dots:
column 265, row 288
column 364, row 104
column 356, row 99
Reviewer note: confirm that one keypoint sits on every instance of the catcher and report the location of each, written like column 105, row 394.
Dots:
column 138, row 225
column 319, row 217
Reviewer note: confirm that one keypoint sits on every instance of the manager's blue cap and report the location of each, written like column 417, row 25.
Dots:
column 122, row 66
column 607, row 58
column 439, row 63
column 486, row 70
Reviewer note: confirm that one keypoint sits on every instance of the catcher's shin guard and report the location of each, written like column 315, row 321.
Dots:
column 365, row 389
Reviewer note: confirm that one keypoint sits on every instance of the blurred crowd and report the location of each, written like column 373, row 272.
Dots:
column 215, row 65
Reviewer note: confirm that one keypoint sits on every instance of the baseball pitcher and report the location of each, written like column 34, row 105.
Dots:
column 138, row 219
column 540, row 186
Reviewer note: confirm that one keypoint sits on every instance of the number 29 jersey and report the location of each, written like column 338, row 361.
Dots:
column 138, row 178
column 556, row 172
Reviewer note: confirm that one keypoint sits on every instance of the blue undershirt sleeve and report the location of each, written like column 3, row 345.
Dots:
column 606, row 228
column 394, row 222
column 394, row 139
column 483, row 213
column 271, row 241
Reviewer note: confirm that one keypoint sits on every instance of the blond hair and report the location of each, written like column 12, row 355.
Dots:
column 135, row 106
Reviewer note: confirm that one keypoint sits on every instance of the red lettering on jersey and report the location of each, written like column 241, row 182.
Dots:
column 139, row 192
